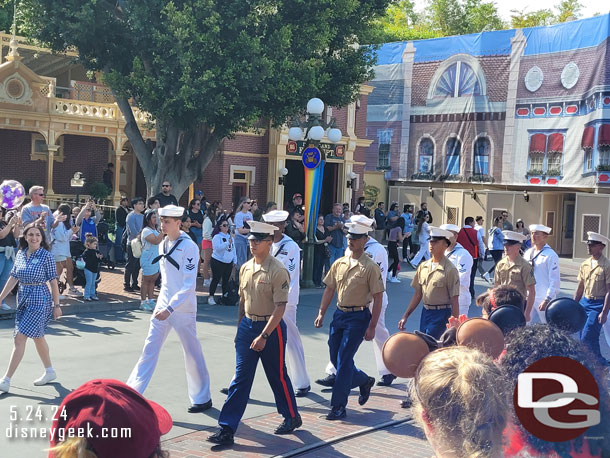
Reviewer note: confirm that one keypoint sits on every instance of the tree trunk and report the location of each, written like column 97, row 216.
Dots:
column 179, row 156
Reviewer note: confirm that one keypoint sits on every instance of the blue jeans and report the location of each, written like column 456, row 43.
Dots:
column 274, row 364
column 590, row 333
column 5, row 269
column 335, row 253
column 90, row 278
column 119, row 256
column 346, row 334
column 241, row 251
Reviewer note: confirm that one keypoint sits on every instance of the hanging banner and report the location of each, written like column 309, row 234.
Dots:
column 512, row 107
column 314, row 174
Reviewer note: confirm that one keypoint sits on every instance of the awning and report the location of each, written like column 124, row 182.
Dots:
column 604, row 136
column 587, row 137
column 538, row 143
column 555, row 143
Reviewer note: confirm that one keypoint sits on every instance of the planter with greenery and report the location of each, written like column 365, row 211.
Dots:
column 481, row 178
column 603, row 168
column 450, row 177
column 535, row 173
column 428, row 176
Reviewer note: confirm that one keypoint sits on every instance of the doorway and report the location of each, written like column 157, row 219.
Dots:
column 239, row 190
column 567, row 225
column 295, row 183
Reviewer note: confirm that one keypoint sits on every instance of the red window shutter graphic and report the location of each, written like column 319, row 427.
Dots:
column 538, row 143
column 604, row 136
column 555, row 143
column 587, row 138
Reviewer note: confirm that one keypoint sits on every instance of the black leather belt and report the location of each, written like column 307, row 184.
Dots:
column 593, row 298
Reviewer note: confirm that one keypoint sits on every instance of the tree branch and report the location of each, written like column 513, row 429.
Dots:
column 134, row 135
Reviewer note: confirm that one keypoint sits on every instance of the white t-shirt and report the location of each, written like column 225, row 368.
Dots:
column 145, row 233
column 240, row 219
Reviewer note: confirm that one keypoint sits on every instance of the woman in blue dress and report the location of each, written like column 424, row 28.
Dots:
column 35, row 270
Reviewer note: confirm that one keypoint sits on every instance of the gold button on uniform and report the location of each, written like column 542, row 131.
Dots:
column 518, row 274
column 595, row 278
column 262, row 288
column 437, row 284
column 355, row 283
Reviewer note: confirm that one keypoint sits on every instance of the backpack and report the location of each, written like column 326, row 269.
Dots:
column 231, row 297
column 136, row 247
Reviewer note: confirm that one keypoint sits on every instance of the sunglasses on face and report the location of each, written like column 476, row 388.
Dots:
column 165, row 185
column 224, row 225
column 249, row 202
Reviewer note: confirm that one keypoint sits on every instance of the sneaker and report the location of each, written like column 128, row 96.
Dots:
column 144, row 305
column 95, row 298
column 211, row 300
column 152, row 303
column 88, row 299
column 394, row 280
column 74, row 291
column 128, row 289
column 5, row 306
column 46, row 378
column 207, row 282
column 4, row 386
column 135, row 288
column 486, row 277
column 405, row 259
column 406, row 402
column 386, row 380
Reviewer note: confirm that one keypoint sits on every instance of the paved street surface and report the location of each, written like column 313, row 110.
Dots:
column 104, row 340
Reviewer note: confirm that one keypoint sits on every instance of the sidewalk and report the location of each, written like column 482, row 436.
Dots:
column 379, row 428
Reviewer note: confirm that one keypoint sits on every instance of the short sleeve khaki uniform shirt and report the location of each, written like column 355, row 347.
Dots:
column 263, row 286
column 518, row 274
column 437, row 284
column 595, row 278
column 355, row 283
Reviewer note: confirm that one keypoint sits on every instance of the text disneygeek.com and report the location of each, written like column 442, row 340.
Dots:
column 61, row 434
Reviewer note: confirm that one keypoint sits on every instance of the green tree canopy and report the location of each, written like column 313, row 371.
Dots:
column 205, row 69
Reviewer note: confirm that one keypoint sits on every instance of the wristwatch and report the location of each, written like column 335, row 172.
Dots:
column 57, row 305
column 264, row 335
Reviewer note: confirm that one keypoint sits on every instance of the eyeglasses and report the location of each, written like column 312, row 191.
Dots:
column 165, row 185
column 224, row 225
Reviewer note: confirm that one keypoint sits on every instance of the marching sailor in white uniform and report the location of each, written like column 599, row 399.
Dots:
column 462, row 260
column 176, row 308
column 545, row 264
column 288, row 252
column 377, row 253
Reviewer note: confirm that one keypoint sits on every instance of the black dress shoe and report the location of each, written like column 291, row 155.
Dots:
column 224, row 436
column 406, row 403
column 336, row 413
column 224, row 390
column 365, row 391
column 289, row 425
column 328, row 381
column 386, row 380
column 196, row 408
column 128, row 289
column 135, row 288
column 302, row 392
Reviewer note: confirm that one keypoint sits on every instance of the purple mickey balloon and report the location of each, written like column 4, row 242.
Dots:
column 13, row 194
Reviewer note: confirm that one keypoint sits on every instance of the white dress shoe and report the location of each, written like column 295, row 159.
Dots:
column 4, row 386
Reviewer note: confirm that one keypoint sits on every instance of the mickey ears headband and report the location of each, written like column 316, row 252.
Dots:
column 566, row 314
column 404, row 351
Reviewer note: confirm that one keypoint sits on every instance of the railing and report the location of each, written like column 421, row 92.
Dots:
column 81, row 109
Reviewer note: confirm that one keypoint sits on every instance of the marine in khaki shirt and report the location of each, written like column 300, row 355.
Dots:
column 595, row 276
column 437, row 284
column 357, row 280
column 515, row 271
column 593, row 292
column 261, row 335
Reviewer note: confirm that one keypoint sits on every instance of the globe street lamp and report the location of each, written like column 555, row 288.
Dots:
column 313, row 130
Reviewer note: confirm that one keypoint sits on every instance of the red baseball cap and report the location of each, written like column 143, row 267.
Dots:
column 297, row 195
column 103, row 407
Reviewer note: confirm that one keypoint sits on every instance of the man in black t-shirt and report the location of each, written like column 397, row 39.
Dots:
column 165, row 197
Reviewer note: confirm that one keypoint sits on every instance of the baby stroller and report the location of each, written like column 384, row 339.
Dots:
column 103, row 244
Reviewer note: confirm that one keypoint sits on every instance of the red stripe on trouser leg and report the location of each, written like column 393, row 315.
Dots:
column 282, row 379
